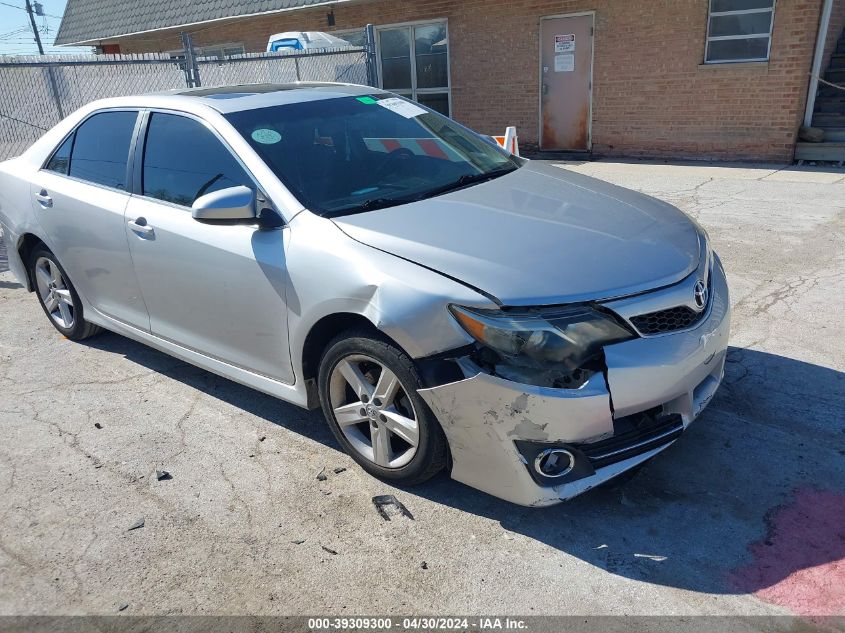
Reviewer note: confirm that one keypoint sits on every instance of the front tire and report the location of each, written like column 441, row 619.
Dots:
column 368, row 393
column 58, row 297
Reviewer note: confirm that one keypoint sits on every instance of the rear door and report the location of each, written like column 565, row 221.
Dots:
column 79, row 198
column 218, row 289
column 566, row 69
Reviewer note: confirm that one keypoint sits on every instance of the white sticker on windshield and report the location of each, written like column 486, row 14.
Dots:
column 266, row 136
column 402, row 107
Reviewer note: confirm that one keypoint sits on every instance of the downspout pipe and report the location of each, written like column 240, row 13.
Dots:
column 821, row 40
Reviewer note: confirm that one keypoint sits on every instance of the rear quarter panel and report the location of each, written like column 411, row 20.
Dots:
column 15, row 209
column 16, row 214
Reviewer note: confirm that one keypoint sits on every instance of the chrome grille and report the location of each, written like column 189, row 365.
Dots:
column 663, row 321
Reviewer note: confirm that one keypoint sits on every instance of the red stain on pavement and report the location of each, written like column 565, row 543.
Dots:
column 800, row 564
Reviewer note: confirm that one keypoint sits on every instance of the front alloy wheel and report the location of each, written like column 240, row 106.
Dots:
column 368, row 391
column 373, row 411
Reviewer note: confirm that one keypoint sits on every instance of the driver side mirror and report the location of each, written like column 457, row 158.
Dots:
column 232, row 203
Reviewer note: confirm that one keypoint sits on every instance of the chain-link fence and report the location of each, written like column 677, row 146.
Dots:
column 348, row 66
column 36, row 92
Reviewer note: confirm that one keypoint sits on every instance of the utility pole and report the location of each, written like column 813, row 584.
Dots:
column 34, row 28
column 53, row 86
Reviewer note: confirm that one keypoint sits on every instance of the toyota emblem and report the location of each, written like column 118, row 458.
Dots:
column 700, row 294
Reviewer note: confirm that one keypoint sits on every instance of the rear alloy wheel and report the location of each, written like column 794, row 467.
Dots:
column 368, row 391
column 58, row 297
column 54, row 294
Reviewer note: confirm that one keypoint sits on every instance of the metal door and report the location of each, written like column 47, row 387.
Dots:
column 566, row 69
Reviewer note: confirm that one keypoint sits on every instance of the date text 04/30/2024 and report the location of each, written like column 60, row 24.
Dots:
column 416, row 624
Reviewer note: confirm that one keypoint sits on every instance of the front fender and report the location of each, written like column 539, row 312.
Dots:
column 330, row 273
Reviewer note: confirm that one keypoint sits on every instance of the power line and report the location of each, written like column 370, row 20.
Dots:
column 11, row 34
column 14, row 6
column 24, row 122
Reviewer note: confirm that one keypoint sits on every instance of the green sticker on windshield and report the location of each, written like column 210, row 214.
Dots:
column 266, row 136
column 367, row 100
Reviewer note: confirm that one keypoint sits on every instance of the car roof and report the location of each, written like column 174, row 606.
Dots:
column 235, row 98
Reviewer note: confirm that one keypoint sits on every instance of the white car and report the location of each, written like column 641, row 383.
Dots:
column 304, row 40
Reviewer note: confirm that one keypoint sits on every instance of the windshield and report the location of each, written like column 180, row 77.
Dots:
column 353, row 154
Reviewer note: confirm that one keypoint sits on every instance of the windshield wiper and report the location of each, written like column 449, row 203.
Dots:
column 466, row 180
column 368, row 205
column 382, row 203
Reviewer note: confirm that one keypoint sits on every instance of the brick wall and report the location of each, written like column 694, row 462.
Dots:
column 652, row 97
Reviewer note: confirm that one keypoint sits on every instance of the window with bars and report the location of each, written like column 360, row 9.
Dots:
column 414, row 62
column 355, row 37
column 739, row 31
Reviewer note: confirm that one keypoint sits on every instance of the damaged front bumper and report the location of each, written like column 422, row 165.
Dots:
column 654, row 387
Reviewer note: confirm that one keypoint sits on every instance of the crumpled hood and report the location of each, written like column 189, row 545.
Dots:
column 539, row 236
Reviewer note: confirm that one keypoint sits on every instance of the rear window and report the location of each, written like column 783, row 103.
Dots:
column 101, row 149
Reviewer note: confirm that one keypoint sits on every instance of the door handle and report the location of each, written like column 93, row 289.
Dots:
column 44, row 198
column 140, row 225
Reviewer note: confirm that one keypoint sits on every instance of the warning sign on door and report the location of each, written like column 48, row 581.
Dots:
column 564, row 63
column 565, row 43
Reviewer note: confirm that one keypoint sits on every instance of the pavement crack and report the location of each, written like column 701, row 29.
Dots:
column 236, row 497
column 180, row 426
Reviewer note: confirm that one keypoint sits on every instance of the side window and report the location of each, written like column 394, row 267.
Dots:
column 101, row 149
column 60, row 160
column 184, row 160
column 739, row 31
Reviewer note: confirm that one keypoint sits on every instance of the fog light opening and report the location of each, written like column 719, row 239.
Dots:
column 554, row 462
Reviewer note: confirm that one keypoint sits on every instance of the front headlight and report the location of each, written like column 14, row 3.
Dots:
column 561, row 340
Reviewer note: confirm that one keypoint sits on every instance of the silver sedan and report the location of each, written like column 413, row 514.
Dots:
column 448, row 305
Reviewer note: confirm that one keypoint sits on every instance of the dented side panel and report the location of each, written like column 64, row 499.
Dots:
column 332, row 274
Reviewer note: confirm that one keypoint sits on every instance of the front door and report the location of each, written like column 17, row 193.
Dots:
column 566, row 69
column 217, row 289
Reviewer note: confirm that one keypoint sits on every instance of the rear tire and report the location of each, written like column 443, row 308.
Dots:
column 58, row 297
column 368, row 393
